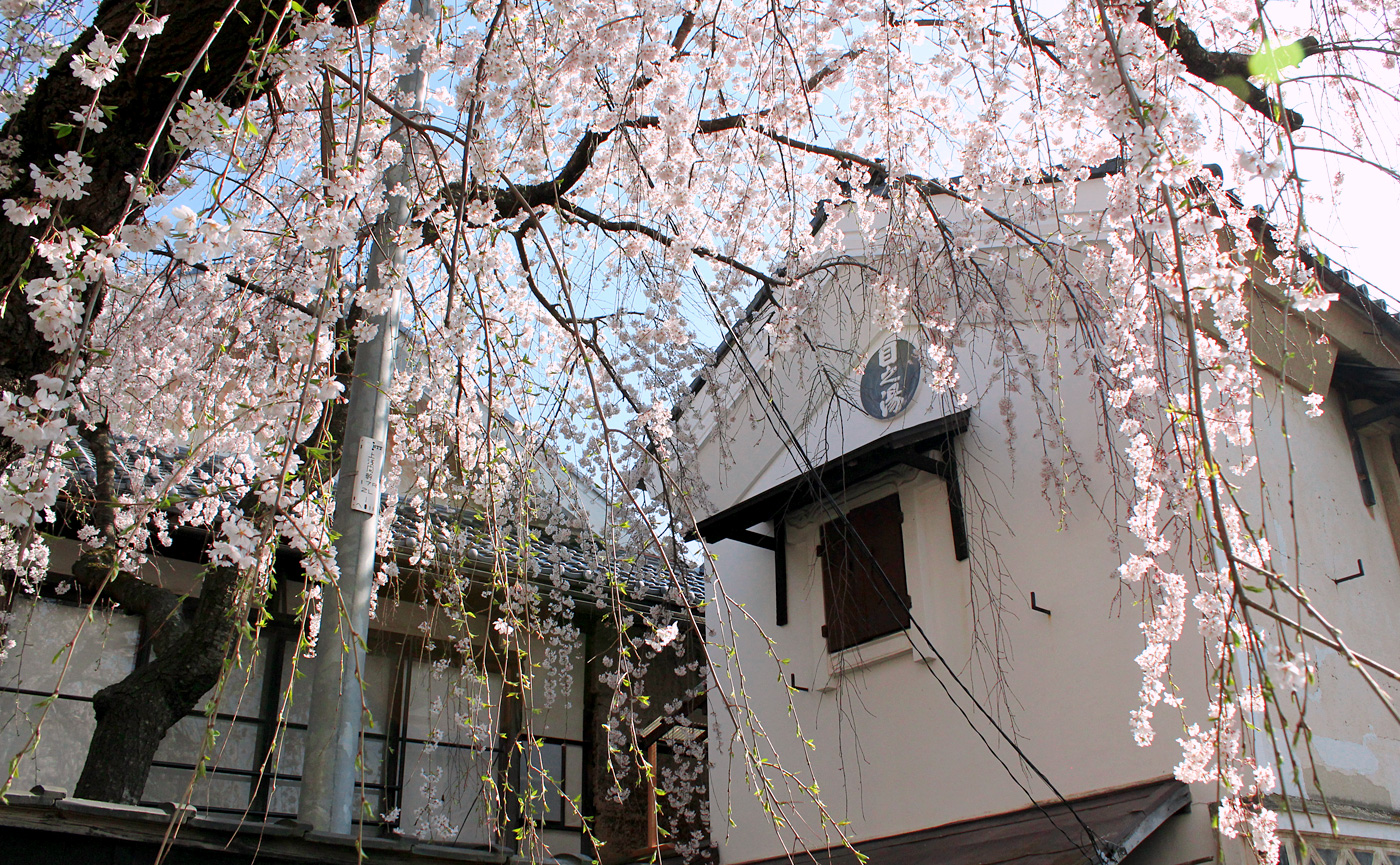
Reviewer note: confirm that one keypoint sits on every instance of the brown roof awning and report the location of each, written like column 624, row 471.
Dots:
column 904, row 446
column 1048, row 835
column 909, row 446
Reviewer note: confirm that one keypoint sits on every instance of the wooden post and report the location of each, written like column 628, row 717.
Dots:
column 653, row 830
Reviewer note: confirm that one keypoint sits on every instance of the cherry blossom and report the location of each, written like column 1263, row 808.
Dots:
column 595, row 195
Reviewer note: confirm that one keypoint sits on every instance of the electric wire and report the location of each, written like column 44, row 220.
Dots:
column 799, row 453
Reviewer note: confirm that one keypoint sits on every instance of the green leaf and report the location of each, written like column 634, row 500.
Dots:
column 1269, row 61
column 62, row 130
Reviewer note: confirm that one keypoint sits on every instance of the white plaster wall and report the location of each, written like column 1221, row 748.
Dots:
column 891, row 751
column 885, row 745
column 1355, row 744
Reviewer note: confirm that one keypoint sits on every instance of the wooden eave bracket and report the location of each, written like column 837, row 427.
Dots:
column 1358, row 452
column 753, row 538
column 1374, row 415
column 947, row 469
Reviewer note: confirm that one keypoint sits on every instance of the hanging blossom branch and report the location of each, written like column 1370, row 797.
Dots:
column 247, row 285
column 1221, row 752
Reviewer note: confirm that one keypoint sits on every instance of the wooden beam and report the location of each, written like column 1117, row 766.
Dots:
column 947, row 469
column 748, row 536
column 780, row 588
column 1358, row 454
column 955, row 502
column 1379, row 413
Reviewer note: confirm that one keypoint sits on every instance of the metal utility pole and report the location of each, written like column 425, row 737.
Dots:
column 328, row 800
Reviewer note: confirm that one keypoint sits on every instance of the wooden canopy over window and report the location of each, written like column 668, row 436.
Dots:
column 826, row 484
column 905, row 447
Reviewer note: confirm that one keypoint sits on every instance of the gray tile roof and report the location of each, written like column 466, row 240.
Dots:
column 456, row 534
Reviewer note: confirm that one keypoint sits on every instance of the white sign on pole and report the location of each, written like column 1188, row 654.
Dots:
column 371, row 455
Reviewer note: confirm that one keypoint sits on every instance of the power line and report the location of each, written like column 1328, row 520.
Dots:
column 1103, row 854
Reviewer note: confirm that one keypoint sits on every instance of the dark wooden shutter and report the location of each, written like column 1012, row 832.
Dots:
column 861, row 603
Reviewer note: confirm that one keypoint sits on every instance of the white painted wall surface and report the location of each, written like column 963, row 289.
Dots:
column 888, row 748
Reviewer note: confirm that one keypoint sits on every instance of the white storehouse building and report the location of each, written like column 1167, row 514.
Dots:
column 967, row 701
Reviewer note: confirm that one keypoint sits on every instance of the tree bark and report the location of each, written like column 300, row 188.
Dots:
column 1228, row 69
column 134, row 714
column 136, row 102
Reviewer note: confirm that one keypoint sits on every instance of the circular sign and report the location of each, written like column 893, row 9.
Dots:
column 891, row 375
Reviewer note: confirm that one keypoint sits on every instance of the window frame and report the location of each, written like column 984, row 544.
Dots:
column 262, row 710
column 848, row 572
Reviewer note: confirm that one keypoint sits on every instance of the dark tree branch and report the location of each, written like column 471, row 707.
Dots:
column 96, row 570
column 388, row 107
column 683, row 31
column 1032, row 41
column 137, row 104
column 816, row 78
column 1228, row 69
column 247, row 285
column 329, row 431
column 585, row 215
column 569, row 324
column 511, row 201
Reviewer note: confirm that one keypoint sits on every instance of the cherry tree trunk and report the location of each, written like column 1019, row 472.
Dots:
column 132, row 718
column 218, row 52
column 134, row 714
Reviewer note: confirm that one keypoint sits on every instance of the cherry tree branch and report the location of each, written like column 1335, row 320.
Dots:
column 137, row 103
column 407, row 120
column 1228, row 69
column 98, row 570
column 245, row 284
column 1355, row 658
column 610, row 225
